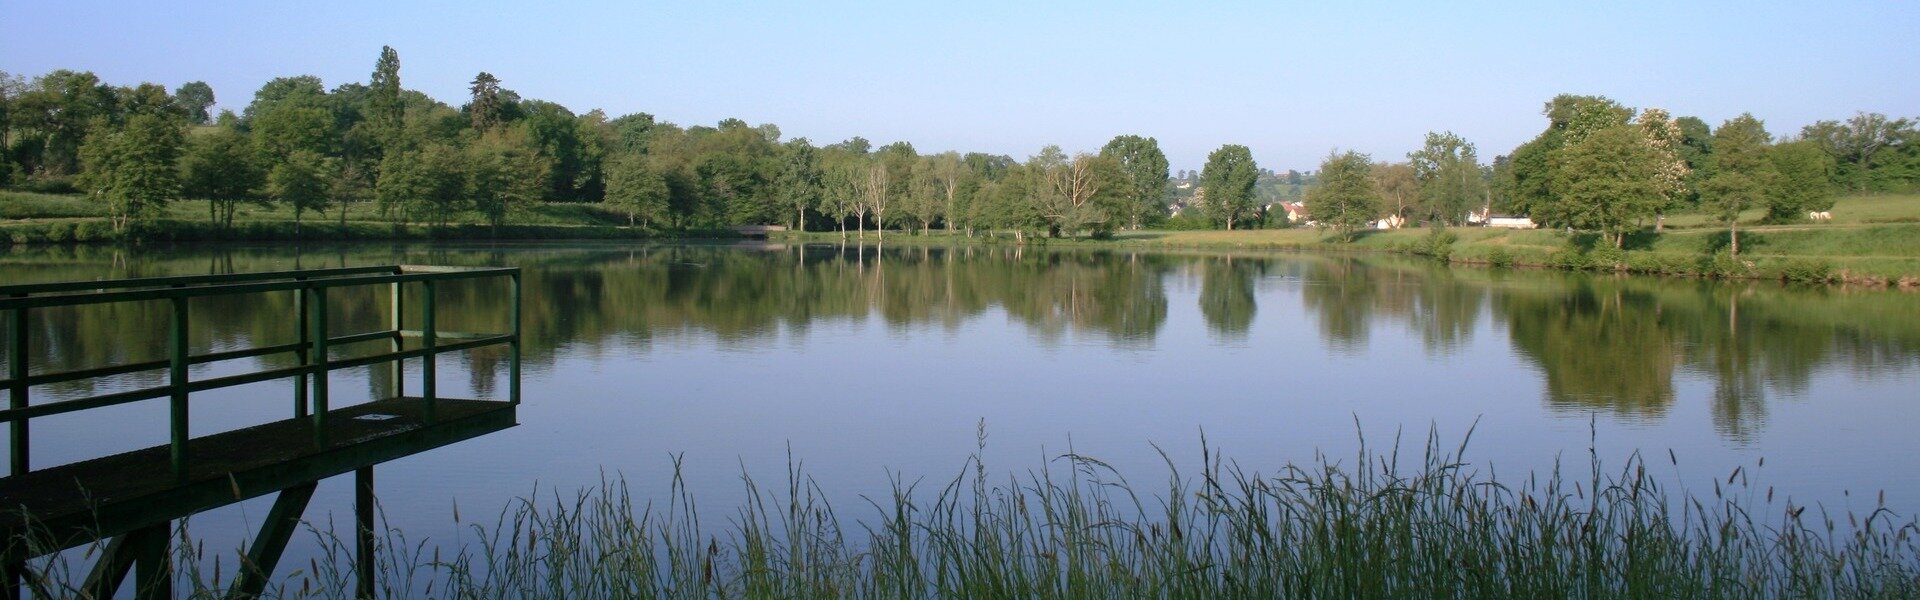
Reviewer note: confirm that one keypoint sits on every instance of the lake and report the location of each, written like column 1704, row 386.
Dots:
column 864, row 365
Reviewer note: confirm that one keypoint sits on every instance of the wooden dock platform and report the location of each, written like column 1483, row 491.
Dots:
column 81, row 502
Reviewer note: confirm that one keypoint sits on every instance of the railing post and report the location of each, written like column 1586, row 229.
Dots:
column 177, row 378
column 317, row 307
column 513, row 348
column 428, row 339
column 399, row 342
column 300, row 352
column 17, row 394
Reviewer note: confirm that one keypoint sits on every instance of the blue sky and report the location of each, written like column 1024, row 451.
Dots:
column 1290, row 80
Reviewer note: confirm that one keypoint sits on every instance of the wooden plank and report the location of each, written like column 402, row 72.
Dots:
column 86, row 501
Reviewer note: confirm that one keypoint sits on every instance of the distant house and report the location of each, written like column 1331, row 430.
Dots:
column 1390, row 222
column 1296, row 211
column 1506, row 222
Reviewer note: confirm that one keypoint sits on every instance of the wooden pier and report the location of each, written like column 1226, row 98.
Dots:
column 128, row 502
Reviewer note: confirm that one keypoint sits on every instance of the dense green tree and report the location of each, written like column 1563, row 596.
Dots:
column 1228, row 178
column 800, row 179
column 148, row 99
column 428, row 184
column 300, row 180
column 485, row 105
column 133, row 168
column 635, row 189
column 1804, row 183
column 1696, row 144
column 195, row 99
column 1399, row 187
column 1607, row 182
column 1529, row 184
column 1853, row 144
column 1448, row 171
column 504, row 175
column 1345, row 199
column 221, row 167
column 1144, row 170
column 288, row 115
column 1742, row 173
column 54, row 116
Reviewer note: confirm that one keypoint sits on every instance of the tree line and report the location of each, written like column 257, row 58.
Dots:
column 1598, row 166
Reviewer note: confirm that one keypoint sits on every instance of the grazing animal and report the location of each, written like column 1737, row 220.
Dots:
column 1820, row 216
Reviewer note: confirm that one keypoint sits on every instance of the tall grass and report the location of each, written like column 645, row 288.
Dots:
column 1376, row 525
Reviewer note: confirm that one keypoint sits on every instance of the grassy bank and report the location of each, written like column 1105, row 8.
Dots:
column 1873, row 240
column 30, row 218
column 1376, row 525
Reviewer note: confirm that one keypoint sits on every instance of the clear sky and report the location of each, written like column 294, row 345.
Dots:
column 1290, row 80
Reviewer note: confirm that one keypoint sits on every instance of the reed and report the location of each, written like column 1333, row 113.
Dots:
column 1374, row 525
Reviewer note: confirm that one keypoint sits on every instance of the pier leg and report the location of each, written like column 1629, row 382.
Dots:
column 261, row 559
column 10, row 577
column 363, row 519
column 111, row 569
column 152, row 565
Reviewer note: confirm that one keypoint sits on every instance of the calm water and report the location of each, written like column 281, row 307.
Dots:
column 864, row 364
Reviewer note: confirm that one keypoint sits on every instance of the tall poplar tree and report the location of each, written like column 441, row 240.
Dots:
column 383, row 95
column 1144, row 168
column 1742, row 173
column 1228, row 178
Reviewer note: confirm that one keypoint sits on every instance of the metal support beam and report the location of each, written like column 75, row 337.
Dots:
column 141, row 550
column 317, row 307
column 112, row 567
column 430, row 340
column 513, row 348
column 300, row 351
column 363, row 531
column 399, row 367
column 10, row 577
column 17, row 395
column 152, row 563
column 264, row 555
column 177, row 379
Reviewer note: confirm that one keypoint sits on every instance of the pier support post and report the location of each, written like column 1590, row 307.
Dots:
column 252, row 576
column 363, row 528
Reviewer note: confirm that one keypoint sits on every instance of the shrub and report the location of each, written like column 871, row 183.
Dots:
column 1807, row 271
column 1499, row 257
column 1607, row 258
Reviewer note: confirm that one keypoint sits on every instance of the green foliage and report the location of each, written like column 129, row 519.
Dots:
column 636, row 190
column 300, row 181
column 195, row 99
column 1500, row 258
column 1803, row 183
column 1437, row 244
column 1143, row 168
column 1742, row 172
column 1228, row 179
column 220, row 167
column 1606, row 182
column 1346, row 199
column 504, row 175
column 1448, row 171
column 133, row 168
column 1807, row 271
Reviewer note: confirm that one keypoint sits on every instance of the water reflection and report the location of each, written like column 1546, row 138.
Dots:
column 1615, row 345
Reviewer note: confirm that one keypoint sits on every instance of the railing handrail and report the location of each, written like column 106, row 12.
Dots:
column 173, row 280
column 219, row 285
column 311, row 352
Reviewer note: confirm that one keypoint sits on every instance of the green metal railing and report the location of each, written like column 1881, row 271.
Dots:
column 311, row 351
